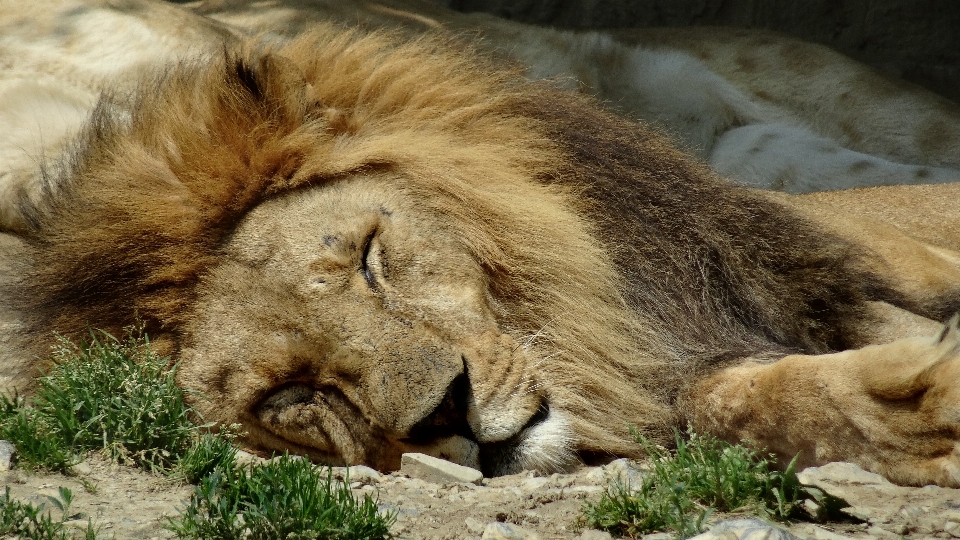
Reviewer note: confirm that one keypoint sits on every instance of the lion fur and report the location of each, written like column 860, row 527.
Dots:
column 640, row 267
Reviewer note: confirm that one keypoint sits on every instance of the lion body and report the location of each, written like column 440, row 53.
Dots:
column 766, row 110
column 354, row 262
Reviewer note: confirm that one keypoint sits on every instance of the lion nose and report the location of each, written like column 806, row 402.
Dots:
column 449, row 418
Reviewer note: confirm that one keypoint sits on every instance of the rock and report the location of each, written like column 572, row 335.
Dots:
column 82, row 469
column 507, row 531
column 534, row 484
column 624, row 470
column 245, row 458
column 817, row 533
column 880, row 532
column 474, row 525
column 7, row 450
column 953, row 528
column 437, row 470
column 840, row 473
column 363, row 474
column 745, row 529
column 593, row 534
column 587, row 490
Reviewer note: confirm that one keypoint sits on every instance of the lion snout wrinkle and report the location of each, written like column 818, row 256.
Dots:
column 503, row 396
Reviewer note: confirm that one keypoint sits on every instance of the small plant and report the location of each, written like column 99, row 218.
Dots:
column 210, row 452
column 38, row 442
column 287, row 497
column 113, row 395
column 30, row 522
column 683, row 488
column 119, row 396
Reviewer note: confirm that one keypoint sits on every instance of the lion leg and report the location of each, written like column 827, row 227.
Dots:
column 893, row 409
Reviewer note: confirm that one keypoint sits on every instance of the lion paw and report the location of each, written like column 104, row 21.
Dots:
column 893, row 409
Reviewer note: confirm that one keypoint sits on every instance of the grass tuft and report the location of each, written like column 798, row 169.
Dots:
column 105, row 393
column 684, row 487
column 287, row 497
column 210, row 452
column 28, row 522
column 38, row 442
column 118, row 396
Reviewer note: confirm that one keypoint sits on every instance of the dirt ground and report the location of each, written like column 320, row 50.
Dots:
column 129, row 504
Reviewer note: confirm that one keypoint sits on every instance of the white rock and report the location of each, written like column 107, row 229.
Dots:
column 363, row 474
column 880, row 532
column 840, row 473
column 7, row 450
column 589, row 490
column 533, row 484
column 507, row 531
column 474, row 525
column 593, row 534
column 82, row 469
column 246, row 458
column 437, row 470
column 745, row 529
column 818, row 533
column 626, row 472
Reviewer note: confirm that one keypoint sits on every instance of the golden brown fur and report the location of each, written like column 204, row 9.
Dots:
column 321, row 231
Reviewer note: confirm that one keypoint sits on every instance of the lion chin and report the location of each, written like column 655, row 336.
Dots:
column 357, row 246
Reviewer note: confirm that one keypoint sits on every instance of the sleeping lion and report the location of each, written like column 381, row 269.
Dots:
column 359, row 245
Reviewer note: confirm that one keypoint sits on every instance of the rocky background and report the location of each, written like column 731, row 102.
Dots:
column 918, row 40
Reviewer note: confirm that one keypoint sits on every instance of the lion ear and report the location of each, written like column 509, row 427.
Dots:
column 949, row 337
column 275, row 83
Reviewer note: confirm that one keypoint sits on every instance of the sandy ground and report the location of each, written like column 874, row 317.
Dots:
column 127, row 503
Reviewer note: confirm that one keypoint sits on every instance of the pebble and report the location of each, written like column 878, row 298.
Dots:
column 880, row 532
column 533, row 484
column 745, row 529
column 7, row 450
column 840, row 473
column 593, row 534
column 625, row 471
column 246, row 458
column 82, row 469
column 474, row 525
column 507, row 531
column 358, row 474
column 818, row 533
column 437, row 470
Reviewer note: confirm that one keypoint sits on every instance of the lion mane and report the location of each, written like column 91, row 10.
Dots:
column 628, row 269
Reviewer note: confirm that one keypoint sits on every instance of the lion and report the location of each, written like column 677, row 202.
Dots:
column 358, row 245
column 765, row 110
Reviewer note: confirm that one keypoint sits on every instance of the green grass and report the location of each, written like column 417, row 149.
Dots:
column 685, row 486
column 211, row 451
column 287, row 497
column 119, row 397
column 103, row 394
column 29, row 522
column 39, row 445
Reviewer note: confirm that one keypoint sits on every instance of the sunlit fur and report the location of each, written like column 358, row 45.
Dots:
column 616, row 270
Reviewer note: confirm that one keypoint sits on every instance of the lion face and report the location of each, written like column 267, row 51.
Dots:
column 347, row 323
